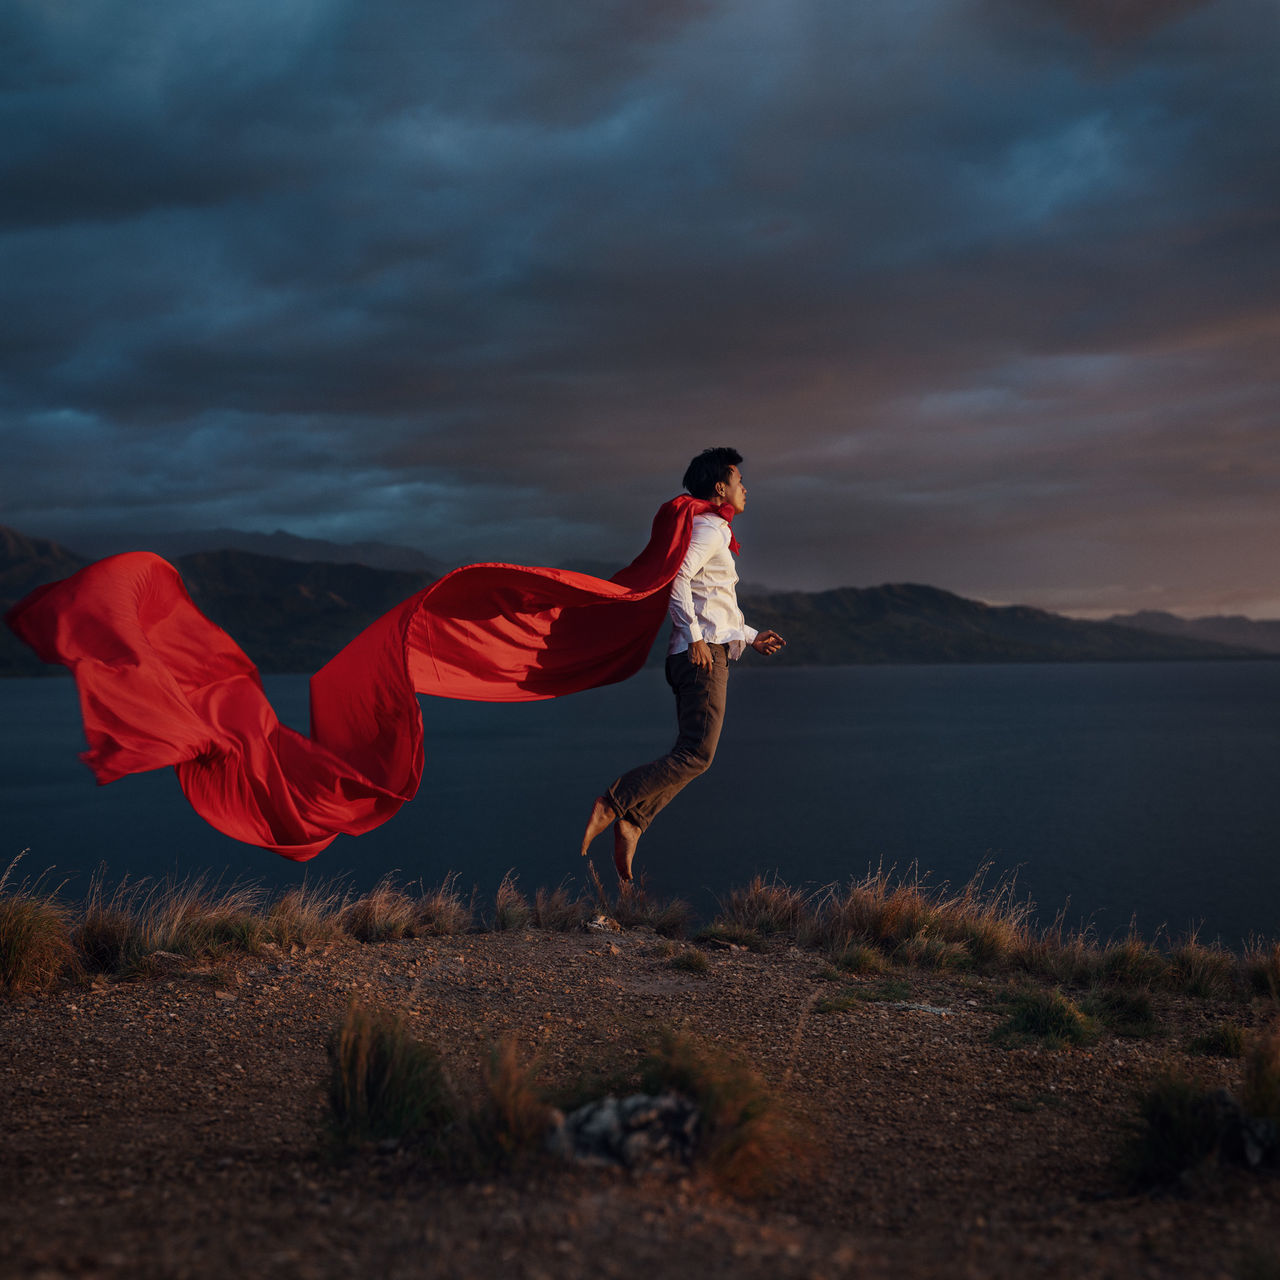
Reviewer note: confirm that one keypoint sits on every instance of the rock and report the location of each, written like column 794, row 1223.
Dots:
column 635, row 1131
column 1249, row 1140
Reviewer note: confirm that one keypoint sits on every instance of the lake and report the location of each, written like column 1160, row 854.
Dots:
column 1115, row 791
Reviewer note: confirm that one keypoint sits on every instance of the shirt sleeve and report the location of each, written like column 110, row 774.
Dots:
column 705, row 539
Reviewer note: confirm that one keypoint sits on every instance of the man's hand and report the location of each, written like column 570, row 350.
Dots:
column 768, row 642
column 700, row 654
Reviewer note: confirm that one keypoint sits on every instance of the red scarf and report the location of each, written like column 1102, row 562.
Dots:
column 726, row 513
column 161, row 685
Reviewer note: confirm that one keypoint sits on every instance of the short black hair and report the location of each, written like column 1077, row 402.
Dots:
column 708, row 469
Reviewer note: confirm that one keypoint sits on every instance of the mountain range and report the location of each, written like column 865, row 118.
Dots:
column 293, row 614
column 1234, row 629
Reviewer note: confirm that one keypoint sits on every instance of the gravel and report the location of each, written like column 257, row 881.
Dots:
column 172, row 1126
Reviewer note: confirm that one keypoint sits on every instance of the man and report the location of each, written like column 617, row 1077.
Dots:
column 161, row 685
column 707, row 632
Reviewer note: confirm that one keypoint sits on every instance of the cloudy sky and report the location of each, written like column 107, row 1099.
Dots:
column 986, row 291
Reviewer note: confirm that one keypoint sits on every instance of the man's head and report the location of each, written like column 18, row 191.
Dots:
column 714, row 475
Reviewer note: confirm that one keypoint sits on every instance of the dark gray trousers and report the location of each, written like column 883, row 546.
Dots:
column 700, row 693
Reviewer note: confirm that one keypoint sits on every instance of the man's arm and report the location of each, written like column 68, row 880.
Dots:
column 702, row 546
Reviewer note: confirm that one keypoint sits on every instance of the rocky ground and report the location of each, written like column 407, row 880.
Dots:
column 171, row 1126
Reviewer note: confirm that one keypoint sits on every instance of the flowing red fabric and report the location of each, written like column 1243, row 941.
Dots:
column 161, row 685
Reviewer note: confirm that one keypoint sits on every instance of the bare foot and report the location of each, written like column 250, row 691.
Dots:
column 626, row 835
column 602, row 816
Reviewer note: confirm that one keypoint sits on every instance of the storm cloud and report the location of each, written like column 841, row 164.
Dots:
column 985, row 290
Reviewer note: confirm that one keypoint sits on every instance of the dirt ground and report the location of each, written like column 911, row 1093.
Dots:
column 170, row 1127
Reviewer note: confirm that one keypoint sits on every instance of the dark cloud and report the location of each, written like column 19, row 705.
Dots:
column 985, row 291
column 1119, row 21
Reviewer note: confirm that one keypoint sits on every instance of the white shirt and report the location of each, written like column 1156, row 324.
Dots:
column 704, row 603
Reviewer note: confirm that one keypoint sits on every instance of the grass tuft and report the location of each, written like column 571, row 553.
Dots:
column 441, row 912
column 1226, row 1040
column 1125, row 1013
column 691, row 960
column 384, row 1083
column 1069, row 957
column 118, row 930
column 513, row 1116
column 1131, row 962
column 511, row 907
column 1262, row 967
column 765, row 908
column 859, row 958
column 1178, row 1129
column 35, row 942
column 841, row 1002
column 928, row 951
column 305, row 916
column 1048, row 1017
column 1202, row 971
column 927, row 926
column 557, row 912
column 889, row 991
column 749, row 1142
column 1260, row 1095
column 668, row 917
column 384, row 914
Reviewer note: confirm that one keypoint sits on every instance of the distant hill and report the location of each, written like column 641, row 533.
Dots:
column 282, row 545
column 287, row 615
column 1222, row 629
column 910, row 623
column 27, row 563
column 292, row 615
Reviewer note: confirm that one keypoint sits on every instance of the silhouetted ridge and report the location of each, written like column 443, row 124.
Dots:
column 293, row 615
column 1233, row 629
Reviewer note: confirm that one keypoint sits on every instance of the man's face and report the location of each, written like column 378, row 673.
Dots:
column 733, row 491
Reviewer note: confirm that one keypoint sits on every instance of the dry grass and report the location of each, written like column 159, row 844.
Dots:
column 384, row 914
column 384, row 1083
column 1133, row 962
column 1126, row 1013
column 927, row 950
column 510, row 906
column 1260, row 1095
column 441, row 912
column 872, row 922
column 690, row 960
column 1208, row 972
column 1262, row 967
column 859, row 958
column 35, row 942
column 1047, row 1017
column 636, row 907
column 118, row 930
column 750, row 1144
column 558, row 912
column 1226, row 1040
column 1183, row 1124
column 512, row 1116
column 976, row 926
column 1069, row 957
column 1178, row 1128
column 765, row 908
column 306, row 916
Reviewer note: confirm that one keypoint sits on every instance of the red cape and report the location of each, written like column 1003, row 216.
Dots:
column 161, row 685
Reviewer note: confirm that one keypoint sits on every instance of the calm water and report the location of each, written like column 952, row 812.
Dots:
column 1118, row 791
